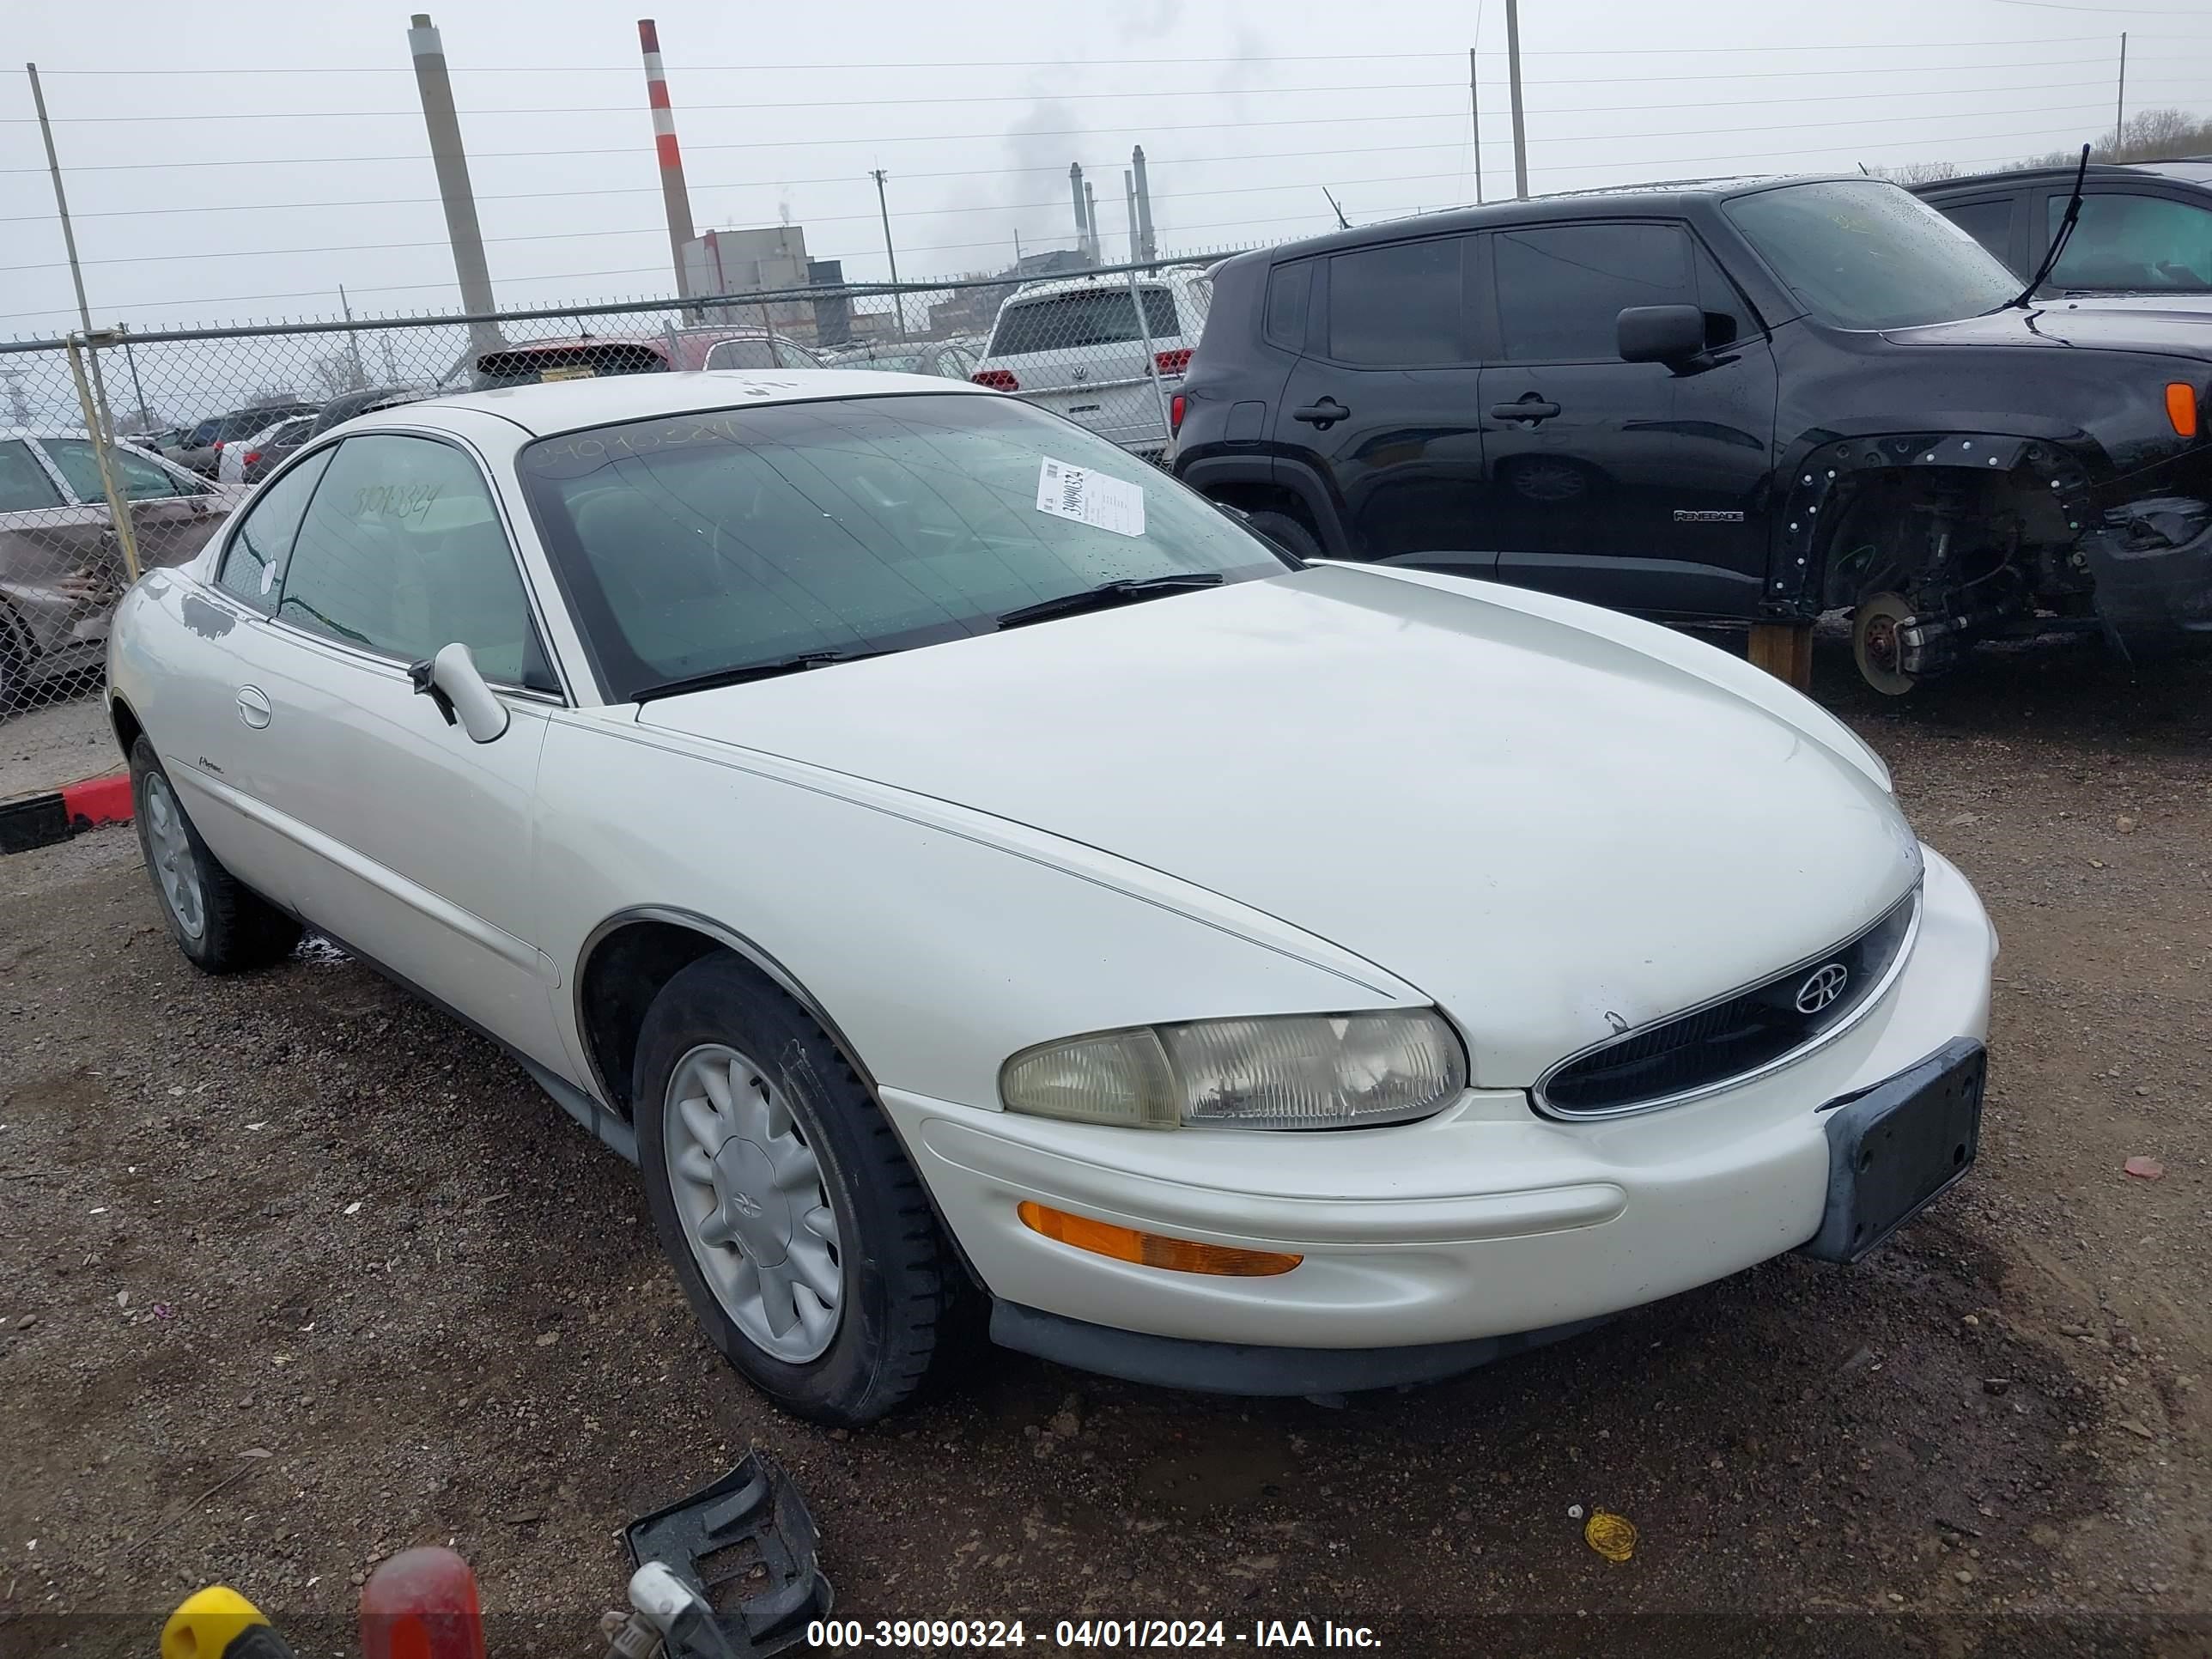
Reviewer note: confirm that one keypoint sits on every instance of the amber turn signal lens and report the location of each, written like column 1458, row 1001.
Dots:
column 1181, row 1255
column 2181, row 407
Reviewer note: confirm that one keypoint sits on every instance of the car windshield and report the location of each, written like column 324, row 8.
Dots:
column 1862, row 253
column 702, row 545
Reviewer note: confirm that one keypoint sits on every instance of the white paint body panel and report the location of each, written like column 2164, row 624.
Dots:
column 1338, row 789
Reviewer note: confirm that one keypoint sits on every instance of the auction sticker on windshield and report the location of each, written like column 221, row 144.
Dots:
column 1088, row 497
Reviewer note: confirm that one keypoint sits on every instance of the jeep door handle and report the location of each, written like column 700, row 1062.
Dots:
column 1325, row 413
column 1529, row 407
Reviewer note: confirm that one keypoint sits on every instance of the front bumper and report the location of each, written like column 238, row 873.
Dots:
column 1484, row 1222
column 2153, row 577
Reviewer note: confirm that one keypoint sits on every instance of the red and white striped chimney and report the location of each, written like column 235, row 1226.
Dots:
column 673, row 196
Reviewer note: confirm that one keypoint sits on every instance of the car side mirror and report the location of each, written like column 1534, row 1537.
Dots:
column 450, row 680
column 1661, row 334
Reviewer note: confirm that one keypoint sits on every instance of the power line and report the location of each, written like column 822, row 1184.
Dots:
column 805, row 103
column 997, row 241
column 1084, row 63
column 702, row 187
column 1061, row 97
column 1094, row 133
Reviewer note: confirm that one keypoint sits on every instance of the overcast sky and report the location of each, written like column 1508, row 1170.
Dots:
column 239, row 163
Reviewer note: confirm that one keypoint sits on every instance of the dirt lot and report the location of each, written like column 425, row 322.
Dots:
column 298, row 1215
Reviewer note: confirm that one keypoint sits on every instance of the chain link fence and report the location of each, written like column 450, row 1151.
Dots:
column 124, row 450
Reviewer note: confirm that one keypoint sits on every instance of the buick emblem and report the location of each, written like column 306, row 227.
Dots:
column 1822, row 987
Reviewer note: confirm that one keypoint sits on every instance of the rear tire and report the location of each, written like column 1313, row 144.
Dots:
column 16, row 659
column 220, row 925
column 772, row 1177
column 1287, row 533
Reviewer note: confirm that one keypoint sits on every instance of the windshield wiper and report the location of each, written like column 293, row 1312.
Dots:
column 2058, row 241
column 752, row 670
column 1106, row 595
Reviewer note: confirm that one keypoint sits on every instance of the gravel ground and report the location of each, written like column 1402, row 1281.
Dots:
column 53, row 744
column 295, row 1273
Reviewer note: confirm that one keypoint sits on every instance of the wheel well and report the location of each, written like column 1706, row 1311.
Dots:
column 617, row 984
column 128, row 729
column 1880, row 523
column 1264, row 498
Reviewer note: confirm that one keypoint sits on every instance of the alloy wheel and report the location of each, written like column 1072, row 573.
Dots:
column 750, row 1191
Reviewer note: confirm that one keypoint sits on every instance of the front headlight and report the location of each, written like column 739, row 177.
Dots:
column 1287, row 1071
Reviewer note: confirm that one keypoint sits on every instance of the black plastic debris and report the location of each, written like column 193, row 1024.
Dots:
column 743, row 1548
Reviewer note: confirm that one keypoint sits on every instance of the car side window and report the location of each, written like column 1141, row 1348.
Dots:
column 25, row 486
column 1989, row 223
column 401, row 552
column 1400, row 306
column 1289, row 287
column 1562, row 287
column 141, row 478
column 2146, row 242
column 257, row 549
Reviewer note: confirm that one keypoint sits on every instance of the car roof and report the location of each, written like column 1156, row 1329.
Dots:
column 1611, row 201
column 567, row 406
column 2187, row 169
column 1043, row 287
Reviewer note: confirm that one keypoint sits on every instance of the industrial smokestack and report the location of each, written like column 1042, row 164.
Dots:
column 1091, row 222
column 1147, row 248
column 1129, row 199
column 673, row 196
column 451, row 162
column 1082, row 219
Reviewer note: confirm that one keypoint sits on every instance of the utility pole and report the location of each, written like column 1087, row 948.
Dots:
column 1521, row 136
column 883, row 205
column 2120, row 104
column 353, row 340
column 1513, row 74
column 61, row 197
column 1474, row 111
column 1147, row 244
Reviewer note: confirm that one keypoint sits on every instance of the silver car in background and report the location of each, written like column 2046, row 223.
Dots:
column 61, row 565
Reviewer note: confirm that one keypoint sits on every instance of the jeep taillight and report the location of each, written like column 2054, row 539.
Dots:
column 1175, row 413
column 999, row 379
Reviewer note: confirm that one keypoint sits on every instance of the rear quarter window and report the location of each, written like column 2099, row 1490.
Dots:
column 1289, row 288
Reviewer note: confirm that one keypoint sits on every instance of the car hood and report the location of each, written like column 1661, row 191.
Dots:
column 2164, row 329
column 1502, row 799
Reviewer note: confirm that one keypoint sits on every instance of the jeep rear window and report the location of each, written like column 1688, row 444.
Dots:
column 527, row 365
column 1862, row 253
column 1063, row 322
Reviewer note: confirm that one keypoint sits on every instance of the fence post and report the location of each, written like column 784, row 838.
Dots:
column 1152, row 357
column 92, row 397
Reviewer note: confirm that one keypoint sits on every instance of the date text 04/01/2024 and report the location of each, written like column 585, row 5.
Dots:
column 1135, row 1634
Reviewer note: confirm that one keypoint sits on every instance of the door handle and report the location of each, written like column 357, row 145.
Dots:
column 253, row 705
column 1530, row 406
column 1324, row 415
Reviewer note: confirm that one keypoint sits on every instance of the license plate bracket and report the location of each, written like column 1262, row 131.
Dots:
column 1894, row 1148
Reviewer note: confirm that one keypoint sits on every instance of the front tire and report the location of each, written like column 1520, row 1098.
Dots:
column 798, row 1229
column 220, row 925
column 1287, row 533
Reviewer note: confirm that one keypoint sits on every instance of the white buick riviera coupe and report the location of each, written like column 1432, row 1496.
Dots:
column 953, row 860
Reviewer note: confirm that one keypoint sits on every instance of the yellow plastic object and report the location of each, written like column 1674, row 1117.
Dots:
column 1612, row 1537
column 207, row 1623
